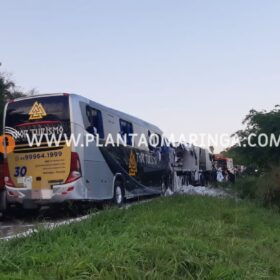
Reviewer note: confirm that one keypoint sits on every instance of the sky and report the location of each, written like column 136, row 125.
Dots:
column 192, row 66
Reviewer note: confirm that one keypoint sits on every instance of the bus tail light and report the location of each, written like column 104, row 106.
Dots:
column 75, row 169
column 7, row 178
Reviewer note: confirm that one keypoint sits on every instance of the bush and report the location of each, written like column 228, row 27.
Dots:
column 265, row 189
column 268, row 188
column 246, row 187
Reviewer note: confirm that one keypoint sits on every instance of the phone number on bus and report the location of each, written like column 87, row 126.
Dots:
column 40, row 156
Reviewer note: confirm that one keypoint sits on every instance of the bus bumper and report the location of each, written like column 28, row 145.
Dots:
column 56, row 194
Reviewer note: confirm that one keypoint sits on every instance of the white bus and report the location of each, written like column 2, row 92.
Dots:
column 41, row 173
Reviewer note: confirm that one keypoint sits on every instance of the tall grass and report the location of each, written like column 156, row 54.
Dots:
column 168, row 238
column 265, row 189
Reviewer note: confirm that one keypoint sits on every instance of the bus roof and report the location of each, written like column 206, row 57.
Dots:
column 120, row 114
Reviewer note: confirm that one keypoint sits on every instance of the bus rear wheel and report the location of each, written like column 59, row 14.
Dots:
column 118, row 194
column 4, row 206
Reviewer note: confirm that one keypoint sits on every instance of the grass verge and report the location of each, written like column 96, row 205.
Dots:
column 180, row 237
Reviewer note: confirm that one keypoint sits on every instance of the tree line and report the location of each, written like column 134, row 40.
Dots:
column 260, row 145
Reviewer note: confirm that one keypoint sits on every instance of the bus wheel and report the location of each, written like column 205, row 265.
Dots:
column 118, row 194
column 164, row 185
column 4, row 206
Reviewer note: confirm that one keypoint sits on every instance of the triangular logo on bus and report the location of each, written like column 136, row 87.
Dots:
column 37, row 112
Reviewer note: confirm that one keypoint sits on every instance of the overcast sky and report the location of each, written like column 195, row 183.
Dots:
column 186, row 66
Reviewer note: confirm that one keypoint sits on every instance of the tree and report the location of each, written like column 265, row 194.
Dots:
column 8, row 90
column 260, row 125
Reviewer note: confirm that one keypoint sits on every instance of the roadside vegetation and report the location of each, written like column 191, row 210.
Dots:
column 258, row 148
column 180, row 237
column 263, row 188
column 261, row 181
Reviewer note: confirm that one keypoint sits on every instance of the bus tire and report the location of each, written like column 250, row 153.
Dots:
column 3, row 201
column 165, row 184
column 118, row 194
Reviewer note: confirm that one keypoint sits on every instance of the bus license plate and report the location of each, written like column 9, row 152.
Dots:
column 42, row 194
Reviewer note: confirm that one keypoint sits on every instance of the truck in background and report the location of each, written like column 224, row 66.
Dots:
column 225, row 166
column 193, row 164
column 225, row 163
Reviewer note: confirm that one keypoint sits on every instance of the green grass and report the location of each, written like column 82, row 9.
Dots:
column 181, row 237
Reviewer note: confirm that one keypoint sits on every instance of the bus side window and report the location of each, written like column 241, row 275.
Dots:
column 126, row 129
column 95, row 120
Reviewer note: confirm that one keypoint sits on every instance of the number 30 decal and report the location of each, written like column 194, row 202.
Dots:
column 20, row 171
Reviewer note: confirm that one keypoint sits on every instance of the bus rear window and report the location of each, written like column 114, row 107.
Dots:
column 38, row 116
column 40, row 109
